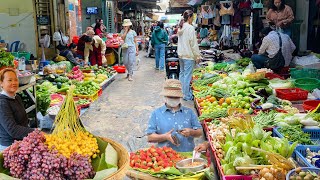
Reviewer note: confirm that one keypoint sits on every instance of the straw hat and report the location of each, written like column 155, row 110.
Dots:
column 172, row 88
column 127, row 22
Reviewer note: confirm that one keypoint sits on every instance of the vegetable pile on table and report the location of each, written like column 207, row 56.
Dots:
column 70, row 152
column 252, row 133
column 87, row 88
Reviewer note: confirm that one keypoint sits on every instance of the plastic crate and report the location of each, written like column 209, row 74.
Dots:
column 308, row 84
column 197, row 106
column 301, row 153
column 91, row 97
column 293, row 171
column 310, row 105
column 100, row 92
column 292, row 94
column 273, row 76
column 314, row 134
column 305, row 73
column 220, row 170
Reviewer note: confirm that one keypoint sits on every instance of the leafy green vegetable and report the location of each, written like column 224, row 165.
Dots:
column 6, row 58
column 294, row 133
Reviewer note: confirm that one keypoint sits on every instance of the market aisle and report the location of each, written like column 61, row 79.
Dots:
column 123, row 110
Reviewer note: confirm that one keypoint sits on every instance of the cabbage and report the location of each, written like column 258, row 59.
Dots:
column 278, row 83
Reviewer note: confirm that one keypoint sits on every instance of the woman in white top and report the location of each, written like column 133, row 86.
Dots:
column 188, row 51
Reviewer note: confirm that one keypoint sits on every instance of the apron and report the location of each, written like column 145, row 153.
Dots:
column 95, row 56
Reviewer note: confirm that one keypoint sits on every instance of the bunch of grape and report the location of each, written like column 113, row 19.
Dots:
column 79, row 167
column 31, row 159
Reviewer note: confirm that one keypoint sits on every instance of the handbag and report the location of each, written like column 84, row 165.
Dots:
column 277, row 62
column 124, row 46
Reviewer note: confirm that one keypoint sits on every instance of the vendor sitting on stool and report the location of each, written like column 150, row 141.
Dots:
column 270, row 47
column 95, row 48
column 174, row 125
column 69, row 53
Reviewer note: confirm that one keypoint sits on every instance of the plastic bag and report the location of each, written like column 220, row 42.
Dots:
column 248, row 70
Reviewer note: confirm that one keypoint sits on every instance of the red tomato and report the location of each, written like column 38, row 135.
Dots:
column 137, row 165
column 149, row 159
column 157, row 169
column 144, row 167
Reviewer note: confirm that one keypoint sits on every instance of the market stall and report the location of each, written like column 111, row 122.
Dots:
column 259, row 124
column 68, row 152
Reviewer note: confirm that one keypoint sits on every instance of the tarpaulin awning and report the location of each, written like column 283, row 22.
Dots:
column 195, row 2
column 152, row 16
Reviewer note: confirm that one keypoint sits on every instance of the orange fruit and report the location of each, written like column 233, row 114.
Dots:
column 208, row 96
column 221, row 101
column 228, row 100
column 212, row 99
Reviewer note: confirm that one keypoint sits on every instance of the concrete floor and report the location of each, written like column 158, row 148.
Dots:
column 122, row 112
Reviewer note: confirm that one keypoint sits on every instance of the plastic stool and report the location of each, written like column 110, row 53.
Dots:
column 16, row 46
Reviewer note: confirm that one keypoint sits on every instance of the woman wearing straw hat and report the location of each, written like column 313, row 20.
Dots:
column 174, row 125
column 130, row 47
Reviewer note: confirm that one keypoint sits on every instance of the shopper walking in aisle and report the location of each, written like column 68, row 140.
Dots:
column 188, row 51
column 270, row 48
column 174, row 125
column 280, row 15
column 13, row 116
column 130, row 48
column 159, row 40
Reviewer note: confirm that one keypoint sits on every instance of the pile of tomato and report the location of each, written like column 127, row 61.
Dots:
column 155, row 158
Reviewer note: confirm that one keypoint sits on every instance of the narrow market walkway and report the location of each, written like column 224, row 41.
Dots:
column 123, row 110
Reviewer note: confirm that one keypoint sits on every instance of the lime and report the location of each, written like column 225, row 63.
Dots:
column 224, row 105
column 247, row 106
column 246, row 99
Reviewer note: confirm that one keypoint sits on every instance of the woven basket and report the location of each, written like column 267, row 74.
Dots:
column 123, row 162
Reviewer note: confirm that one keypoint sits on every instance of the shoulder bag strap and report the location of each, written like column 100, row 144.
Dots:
column 280, row 41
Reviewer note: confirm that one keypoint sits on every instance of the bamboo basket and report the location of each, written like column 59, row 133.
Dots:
column 123, row 162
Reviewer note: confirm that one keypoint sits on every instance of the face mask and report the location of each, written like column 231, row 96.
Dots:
column 173, row 102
